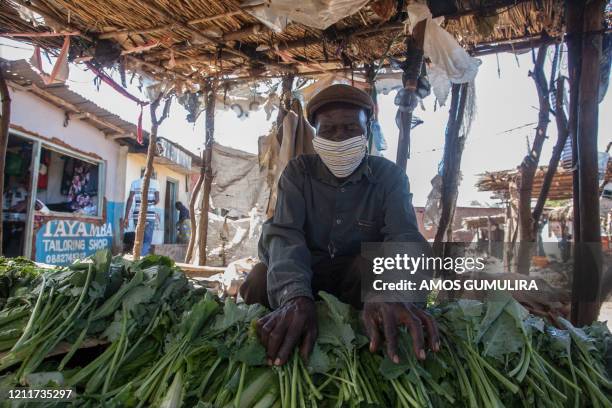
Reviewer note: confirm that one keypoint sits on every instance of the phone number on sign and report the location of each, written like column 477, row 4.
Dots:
column 40, row 394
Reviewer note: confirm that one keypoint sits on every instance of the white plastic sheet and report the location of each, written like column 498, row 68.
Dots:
column 450, row 63
column 313, row 13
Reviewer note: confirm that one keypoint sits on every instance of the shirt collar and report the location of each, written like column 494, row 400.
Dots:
column 322, row 173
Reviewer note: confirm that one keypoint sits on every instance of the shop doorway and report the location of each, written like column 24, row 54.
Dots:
column 170, row 212
column 17, row 206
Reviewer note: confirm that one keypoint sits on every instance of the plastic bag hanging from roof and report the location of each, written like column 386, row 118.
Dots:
column 312, row 13
column 449, row 61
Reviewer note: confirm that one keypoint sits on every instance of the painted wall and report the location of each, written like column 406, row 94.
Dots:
column 82, row 236
column 136, row 162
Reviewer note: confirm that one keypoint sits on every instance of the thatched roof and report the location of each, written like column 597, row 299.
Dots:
column 194, row 39
column 483, row 221
column 497, row 182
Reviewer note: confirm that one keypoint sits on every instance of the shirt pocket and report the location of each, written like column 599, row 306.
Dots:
column 367, row 230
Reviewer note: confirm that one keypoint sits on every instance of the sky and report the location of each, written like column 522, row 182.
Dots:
column 506, row 112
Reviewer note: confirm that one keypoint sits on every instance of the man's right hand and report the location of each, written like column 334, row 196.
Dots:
column 280, row 330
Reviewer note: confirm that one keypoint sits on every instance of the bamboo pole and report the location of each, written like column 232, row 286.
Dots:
column 4, row 135
column 151, row 152
column 209, row 89
column 527, row 169
column 451, row 167
column 586, row 289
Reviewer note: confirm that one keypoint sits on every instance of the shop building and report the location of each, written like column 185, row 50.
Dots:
column 62, row 198
column 68, row 170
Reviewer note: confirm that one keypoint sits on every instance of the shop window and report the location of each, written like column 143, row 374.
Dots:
column 68, row 184
column 17, row 181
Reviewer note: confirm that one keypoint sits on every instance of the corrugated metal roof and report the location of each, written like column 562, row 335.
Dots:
column 23, row 74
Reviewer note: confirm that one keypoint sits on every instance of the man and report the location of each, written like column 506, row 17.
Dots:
column 136, row 198
column 328, row 204
column 183, row 225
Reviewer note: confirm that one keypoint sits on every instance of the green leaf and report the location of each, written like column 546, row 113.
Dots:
column 390, row 370
column 232, row 314
column 319, row 361
column 495, row 308
column 137, row 295
column 582, row 340
column 251, row 353
column 502, row 337
column 102, row 260
column 338, row 311
column 113, row 331
column 470, row 307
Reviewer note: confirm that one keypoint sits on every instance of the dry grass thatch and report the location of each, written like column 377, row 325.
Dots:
column 195, row 39
column 498, row 183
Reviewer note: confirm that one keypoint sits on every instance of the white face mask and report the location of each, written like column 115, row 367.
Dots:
column 341, row 158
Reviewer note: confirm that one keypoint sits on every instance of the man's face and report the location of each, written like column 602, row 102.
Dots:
column 338, row 122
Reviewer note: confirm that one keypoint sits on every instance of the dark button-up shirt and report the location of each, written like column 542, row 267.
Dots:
column 319, row 216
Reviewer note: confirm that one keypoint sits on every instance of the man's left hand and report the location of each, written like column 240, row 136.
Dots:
column 386, row 317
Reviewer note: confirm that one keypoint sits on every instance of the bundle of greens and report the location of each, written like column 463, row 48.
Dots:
column 494, row 354
column 112, row 301
column 168, row 344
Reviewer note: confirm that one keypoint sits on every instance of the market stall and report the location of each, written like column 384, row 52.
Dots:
column 169, row 343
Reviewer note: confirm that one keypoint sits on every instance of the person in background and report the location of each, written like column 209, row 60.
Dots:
column 183, row 226
column 135, row 198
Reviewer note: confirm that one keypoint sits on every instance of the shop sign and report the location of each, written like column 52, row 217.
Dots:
column 61, row 242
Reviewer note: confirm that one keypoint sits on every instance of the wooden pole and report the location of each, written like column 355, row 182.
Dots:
column 412, row 71
column 586, row 290
column 562, row 134
column 451, row 167
column 490, row 238
column 574, row 15
column 151, row 152
column 527, row 169
column 5, row 120
column 209, row 89
column 192, row 216
column 285, row 102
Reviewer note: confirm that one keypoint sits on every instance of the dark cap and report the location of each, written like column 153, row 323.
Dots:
column 339, row 93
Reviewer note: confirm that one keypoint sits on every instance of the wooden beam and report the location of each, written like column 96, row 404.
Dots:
column 586, row 290
column 209, row 90
column 115, row 136
column 38, row 34
column 5, row 120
